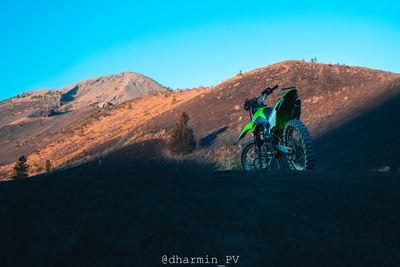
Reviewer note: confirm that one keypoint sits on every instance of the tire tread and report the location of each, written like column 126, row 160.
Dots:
column 306, row 140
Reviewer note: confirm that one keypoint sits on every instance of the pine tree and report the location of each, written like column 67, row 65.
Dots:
column 21, row 168
column 181, row 140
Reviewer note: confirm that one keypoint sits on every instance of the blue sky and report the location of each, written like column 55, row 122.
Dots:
column 184, row 44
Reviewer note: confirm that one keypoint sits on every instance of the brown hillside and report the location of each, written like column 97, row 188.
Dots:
column 79, row 135
column 335, row 98
column 332, row 96
column 41, row 119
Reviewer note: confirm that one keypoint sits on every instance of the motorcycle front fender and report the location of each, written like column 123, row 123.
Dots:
column 245, row 130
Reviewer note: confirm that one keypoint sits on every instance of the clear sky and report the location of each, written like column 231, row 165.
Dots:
column 185, row 44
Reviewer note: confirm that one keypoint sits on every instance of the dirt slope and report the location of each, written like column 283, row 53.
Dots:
column 331, row 95
column 106, row 213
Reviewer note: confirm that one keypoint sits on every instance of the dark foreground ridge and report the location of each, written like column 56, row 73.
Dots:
column 130, row 213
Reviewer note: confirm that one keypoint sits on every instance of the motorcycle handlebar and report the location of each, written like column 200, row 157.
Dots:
column 254, row 101
column 269, row 90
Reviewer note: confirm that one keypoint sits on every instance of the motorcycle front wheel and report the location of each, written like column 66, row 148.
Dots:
column 250, row 160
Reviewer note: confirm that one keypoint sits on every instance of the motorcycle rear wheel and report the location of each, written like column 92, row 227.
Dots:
column 297, row 137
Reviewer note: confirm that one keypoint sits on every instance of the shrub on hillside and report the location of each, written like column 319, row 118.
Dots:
column 47, row 166
column 21, row 169
column 181, row 140
column 173, row 101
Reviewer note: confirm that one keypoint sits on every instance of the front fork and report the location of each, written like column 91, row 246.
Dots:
column 268, row 148
column 259, row 144
column 273, row 147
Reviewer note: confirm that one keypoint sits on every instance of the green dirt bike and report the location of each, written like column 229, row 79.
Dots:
column 280, row 138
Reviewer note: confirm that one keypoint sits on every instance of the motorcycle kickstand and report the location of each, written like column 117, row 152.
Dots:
column 271, row 161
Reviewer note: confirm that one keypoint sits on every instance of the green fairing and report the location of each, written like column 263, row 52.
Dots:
column 259, row 113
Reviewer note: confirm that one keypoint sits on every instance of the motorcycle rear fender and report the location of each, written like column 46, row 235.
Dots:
column 245, row 130
column 283, row 109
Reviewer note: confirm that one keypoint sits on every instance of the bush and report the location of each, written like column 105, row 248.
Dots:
column 48, row 166
column 173, row 101
column 181, row 140
column 21, row 169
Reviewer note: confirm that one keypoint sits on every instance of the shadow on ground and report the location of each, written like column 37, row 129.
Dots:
column 362, row 143
column 210, row 139
column 144, row 158
column 126, row 211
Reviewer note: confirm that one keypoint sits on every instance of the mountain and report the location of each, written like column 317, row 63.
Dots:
column 37, row 119
column 93, row 118
column 110, row 89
